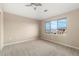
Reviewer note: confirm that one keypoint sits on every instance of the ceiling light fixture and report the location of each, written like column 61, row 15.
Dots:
column 45, row 10
column 34, row 5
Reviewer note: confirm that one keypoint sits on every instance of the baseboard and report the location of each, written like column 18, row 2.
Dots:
column 1, row 47
column 16, row 42
column 67, row 45
column 63, row 44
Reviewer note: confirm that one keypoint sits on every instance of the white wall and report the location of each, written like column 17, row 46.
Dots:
column 18, row 28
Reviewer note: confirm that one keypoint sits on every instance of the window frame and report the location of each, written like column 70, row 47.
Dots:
column 57, row 24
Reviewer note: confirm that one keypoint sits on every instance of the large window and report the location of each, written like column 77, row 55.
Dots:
column 56, row 26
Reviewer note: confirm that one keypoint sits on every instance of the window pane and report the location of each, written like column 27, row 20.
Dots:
column 47, row 26
column 54, row 26
column 62, row 24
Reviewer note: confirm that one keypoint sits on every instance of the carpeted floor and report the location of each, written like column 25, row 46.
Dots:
column 38, row 48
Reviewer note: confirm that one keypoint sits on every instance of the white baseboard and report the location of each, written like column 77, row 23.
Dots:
column 64, row 44
column 30, row 39
column 67, row 45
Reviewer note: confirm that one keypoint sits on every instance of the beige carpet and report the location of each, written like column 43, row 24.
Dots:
column 38, row 48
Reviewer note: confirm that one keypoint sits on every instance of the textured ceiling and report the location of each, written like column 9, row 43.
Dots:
column 53, row 9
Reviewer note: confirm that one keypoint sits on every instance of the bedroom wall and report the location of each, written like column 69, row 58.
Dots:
column 18, row 28
column 71, row 37
column 0, row 30
column 1, row 26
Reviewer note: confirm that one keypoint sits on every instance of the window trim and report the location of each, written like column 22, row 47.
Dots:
column 57, row 24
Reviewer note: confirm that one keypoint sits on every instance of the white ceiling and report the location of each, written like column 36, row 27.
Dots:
column 53, row 9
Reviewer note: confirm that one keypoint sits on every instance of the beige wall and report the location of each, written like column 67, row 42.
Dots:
column 71, row 37
column 0, row 30
column 18, row 28
column 0, row 25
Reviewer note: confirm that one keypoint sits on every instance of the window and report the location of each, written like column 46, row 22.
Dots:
column 47, row 27
column 57, row 26
column 62, row 25
column 54, row 26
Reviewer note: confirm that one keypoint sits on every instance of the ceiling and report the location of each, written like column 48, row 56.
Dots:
column 53, row 9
